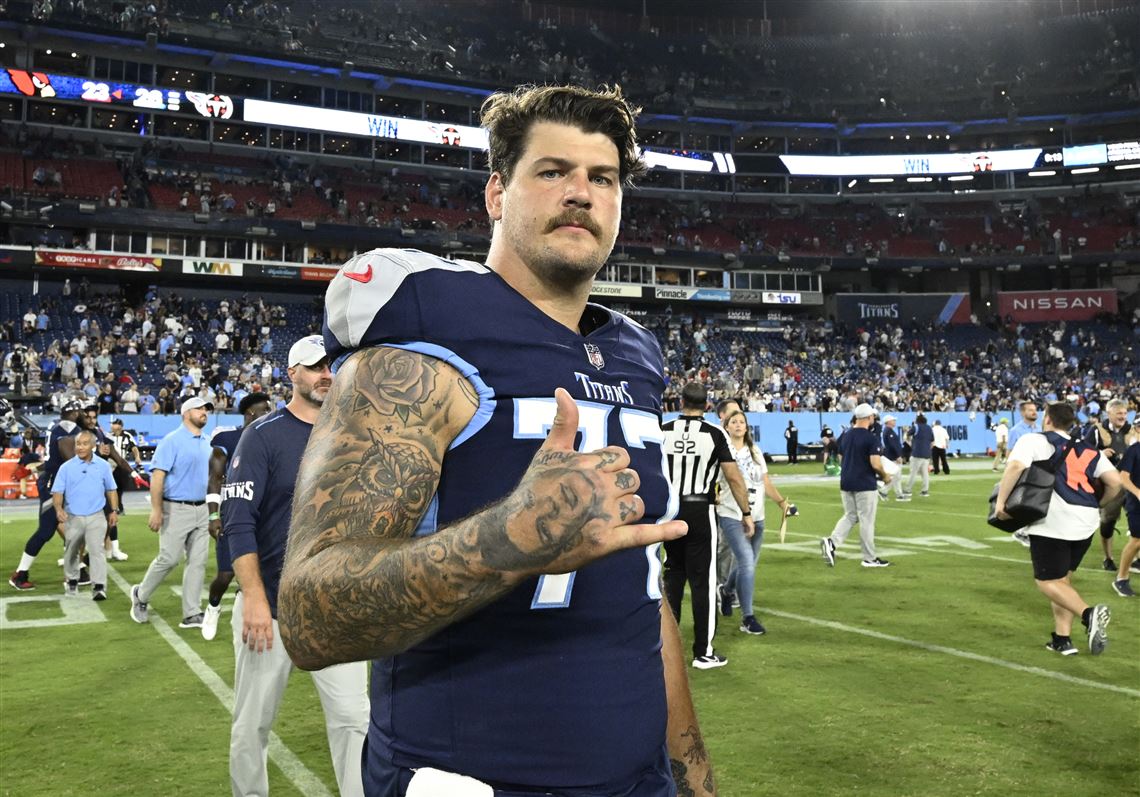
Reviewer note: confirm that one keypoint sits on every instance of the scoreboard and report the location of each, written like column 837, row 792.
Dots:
column 915, row 167
column 42, row 85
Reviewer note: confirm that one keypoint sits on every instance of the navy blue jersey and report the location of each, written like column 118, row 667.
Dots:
column 54, row 459
column 560, row 682
column 922, row 439
column 1075, row 470
column 892, row 448
column 857, row 446
column 1130, row 464
column 257, row 497
column 226, row 438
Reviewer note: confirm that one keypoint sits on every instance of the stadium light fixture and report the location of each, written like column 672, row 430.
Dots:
column 881, row 180
column 1043, row 173
column 961, row 178
column 1087, row 170
column 1126, row 166
column 852, row 183
column 919, row 179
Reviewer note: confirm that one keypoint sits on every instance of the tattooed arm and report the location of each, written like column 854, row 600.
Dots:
column 692, row 770
column 357, row 585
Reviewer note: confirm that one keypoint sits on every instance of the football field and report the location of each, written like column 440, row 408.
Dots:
column 929, row 677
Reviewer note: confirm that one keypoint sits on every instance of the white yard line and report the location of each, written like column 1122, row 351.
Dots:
column 304, row 779
column 961, row 654
column 896, row 541
column 979, row 516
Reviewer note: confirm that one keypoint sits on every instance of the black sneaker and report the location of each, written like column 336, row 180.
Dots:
column 84, row 577
column 1109, row 565
column 1063, row 646
column 725, row 596
column 1134, row 567
column 99, row 593
column 1123, row 588
column 827, row 550
column 193, row 621
column 750, row 625
column 876, row 562
column 709, row 662
column 1098, row 625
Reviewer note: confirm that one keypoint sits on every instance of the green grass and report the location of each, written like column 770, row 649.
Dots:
column 109, row 708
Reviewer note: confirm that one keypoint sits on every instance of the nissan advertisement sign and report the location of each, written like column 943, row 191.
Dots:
column 1078, row 305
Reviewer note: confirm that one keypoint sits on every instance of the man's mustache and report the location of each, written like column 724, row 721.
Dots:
column 572, row 218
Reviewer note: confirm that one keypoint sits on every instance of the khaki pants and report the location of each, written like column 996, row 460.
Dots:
column 86, row 530
column 858, row 508
column 184, row 529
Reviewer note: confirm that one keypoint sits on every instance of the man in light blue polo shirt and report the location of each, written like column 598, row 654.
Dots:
column 83, row 486
column 181, row 469
column 1026, row 425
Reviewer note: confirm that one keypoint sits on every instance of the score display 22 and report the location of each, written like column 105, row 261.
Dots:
column 68, row 87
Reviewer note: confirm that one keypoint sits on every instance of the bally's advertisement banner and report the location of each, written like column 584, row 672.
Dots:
column 867, row 308
column 74, row 259
column 1080, row 305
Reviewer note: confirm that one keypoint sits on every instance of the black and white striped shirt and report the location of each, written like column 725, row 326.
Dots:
column 123, row 444
column 695, row 450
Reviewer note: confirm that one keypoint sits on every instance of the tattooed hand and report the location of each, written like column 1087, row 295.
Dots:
column 572, row 508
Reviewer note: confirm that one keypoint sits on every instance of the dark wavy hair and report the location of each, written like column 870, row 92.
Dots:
column 508, row 117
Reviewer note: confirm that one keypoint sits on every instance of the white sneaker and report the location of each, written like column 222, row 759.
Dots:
column 118, row 556
column 210, row 622
column 59, row 562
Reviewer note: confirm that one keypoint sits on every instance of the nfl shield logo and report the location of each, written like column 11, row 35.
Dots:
column 594, row 355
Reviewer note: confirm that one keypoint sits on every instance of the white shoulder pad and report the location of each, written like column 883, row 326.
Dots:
column 218, row 430
column 67, row 426
column 368, row 281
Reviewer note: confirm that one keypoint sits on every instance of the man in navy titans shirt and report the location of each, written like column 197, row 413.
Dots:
column 481, row 502
column 862, row 461
column 256, row 511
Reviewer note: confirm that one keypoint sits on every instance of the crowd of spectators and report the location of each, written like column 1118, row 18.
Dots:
column 283, row 187
column 149, row 355
column 163, row 176
column 944, row 63
column 827, row 366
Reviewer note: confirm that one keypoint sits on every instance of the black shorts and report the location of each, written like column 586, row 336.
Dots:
column 1053, row 558
column 1133, row 524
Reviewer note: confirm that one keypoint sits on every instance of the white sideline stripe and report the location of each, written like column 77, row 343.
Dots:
column 961, row 654
column 299, row 775
column 974, row 516
column 895, row 541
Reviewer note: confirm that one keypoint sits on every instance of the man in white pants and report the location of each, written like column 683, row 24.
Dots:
column 83, row 486
column 256, row 513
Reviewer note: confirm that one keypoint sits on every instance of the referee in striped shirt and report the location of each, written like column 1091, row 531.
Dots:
column 697, row 451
